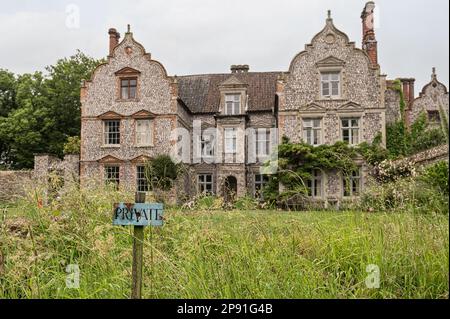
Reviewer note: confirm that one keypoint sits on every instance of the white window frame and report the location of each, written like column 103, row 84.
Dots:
column 230, row 136
column 262, row 142
column 355, row 176
column 203, row 183
column 207, row 146
column 315, row 184
column 351, row 130
column 108, row 135
column 140, row 137
column 233, row 104
column 315, row 132
column 326, row 79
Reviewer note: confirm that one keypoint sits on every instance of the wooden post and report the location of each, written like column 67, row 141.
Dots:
column 138, row 251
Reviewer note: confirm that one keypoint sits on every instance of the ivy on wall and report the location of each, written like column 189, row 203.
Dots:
column 401, row 141
column 297, row 162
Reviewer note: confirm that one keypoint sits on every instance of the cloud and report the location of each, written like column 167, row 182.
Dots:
column 207, row 36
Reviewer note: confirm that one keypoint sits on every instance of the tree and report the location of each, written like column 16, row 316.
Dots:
column 8, row 87
column 45, row 111
column 72, row 146
column 63, row 88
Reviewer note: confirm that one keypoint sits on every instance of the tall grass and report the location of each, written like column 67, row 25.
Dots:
column 236, row 254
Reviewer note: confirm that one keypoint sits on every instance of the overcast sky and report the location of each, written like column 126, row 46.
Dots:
column 207, row 36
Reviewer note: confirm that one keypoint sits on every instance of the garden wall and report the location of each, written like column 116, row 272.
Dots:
column 12, row 184
column 433, row 155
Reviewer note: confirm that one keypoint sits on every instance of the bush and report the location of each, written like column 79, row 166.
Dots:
column 420, row 137
column 427, row 139
column 437, row 176
column 205, row 202
column 389, row 171
column 246, row 203
column 72, row 146
column 425, row 193
column 161, row 172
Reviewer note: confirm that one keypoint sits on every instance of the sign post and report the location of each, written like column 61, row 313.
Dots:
column 139, row 215
column 138, row 251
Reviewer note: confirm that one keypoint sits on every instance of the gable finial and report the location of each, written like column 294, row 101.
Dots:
column 128, row 28
column 329, row 14
column 434, row 72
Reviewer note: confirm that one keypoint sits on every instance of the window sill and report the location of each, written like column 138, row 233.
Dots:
column 127, row 100
column 110, row 146
column 331, row 98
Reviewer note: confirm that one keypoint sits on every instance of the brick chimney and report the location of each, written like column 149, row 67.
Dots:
column 240, row 68
column 369, row 42
column 408, row 90
column 114, row 37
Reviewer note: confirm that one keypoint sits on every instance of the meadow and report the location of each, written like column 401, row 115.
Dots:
column 220, row 254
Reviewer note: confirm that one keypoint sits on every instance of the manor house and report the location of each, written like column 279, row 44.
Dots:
column 332, row 91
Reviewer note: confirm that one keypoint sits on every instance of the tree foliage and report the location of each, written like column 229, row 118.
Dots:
column 72, row 146
column 38, row 112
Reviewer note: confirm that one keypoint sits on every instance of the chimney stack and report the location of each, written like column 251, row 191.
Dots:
column 240, row 68
column 369, row 42
column 408, row 90
column 114, row 37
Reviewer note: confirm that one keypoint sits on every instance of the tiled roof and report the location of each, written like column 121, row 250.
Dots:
column 201, row 93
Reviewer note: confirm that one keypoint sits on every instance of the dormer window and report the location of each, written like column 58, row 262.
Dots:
column 331, row 86
column 232, row 104
column 128, row 88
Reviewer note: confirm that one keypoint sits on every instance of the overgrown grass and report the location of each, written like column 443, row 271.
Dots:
column 236, row 254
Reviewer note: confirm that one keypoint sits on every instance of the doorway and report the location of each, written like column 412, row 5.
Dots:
column 230, row 189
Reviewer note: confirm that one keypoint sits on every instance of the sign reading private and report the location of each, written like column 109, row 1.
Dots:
column 138, row 214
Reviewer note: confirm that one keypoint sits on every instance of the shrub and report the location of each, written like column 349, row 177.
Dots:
column 389, row 171
column 246, row 203
column 424, row 193
column 437, row 176
column 205, row 202
column 161, row 172
column 420, row 137
column 427, row 139
column 72, row 146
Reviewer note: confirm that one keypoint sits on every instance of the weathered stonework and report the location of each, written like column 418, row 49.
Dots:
column 361, row 96
column 282, row 100
column 392, row 102
column 13, row 184
column 436, row 154
column 433, row 96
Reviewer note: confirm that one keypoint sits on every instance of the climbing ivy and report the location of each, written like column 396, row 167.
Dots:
column 401, row 141
column 297, row 161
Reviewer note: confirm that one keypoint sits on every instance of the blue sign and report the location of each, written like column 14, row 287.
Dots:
column 138, row 214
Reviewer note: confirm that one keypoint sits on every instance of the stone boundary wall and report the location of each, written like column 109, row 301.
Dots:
column 433, row 155
column 12, row 184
